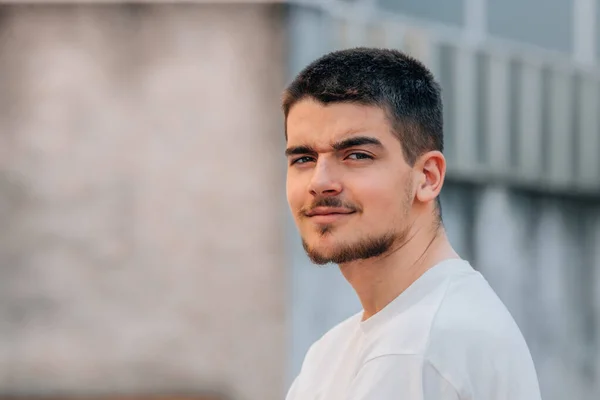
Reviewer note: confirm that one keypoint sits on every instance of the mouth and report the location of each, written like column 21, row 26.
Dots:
column 326, row 215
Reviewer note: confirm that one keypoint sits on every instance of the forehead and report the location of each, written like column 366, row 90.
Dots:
column 311, row 121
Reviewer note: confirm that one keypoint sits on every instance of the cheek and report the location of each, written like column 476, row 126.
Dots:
column 380, row 204
column 383, row 197
column 295, row 194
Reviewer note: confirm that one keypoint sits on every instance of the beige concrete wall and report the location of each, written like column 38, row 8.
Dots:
column 141, row 200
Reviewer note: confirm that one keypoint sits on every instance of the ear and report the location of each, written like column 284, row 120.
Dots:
column 431, row 169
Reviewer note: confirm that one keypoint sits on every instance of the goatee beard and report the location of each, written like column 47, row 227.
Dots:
column 361, row 250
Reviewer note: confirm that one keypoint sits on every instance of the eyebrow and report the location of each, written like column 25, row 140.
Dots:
column 337, row 146
column 356, row 141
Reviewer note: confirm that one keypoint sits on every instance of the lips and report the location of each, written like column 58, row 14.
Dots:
column 328, row 215
column 328, row 211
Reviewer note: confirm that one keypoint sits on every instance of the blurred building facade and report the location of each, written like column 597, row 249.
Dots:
column 141, row 200
column 522, row 199
column 145, row 243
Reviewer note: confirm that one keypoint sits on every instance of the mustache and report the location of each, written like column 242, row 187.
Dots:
column 329, row 202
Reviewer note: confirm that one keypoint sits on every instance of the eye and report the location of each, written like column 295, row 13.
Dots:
column 359, row 156
column 301, row 160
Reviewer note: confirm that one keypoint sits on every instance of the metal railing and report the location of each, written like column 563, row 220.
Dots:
column 513, row 114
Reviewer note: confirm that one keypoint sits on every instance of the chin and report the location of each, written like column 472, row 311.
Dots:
column 325, row 246
column 324, row 249
column 320, row 255
column 322, row 236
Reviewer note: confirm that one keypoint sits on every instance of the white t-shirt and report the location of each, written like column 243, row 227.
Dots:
column 447, row 337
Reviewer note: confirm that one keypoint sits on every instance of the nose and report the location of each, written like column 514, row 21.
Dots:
column 325, row 181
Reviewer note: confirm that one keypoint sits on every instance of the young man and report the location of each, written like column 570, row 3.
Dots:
column 365, row 168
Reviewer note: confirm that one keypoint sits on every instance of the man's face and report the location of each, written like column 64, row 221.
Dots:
column 349, row 187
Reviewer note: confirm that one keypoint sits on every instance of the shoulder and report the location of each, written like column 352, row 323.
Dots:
column 475, row 341
column 471, row 314
column 330, row 341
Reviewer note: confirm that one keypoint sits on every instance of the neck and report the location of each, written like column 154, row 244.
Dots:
column 379, row 280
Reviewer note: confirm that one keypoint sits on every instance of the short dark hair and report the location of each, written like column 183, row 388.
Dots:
column 401, row 85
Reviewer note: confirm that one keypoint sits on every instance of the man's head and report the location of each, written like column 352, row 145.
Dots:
column 364, row 146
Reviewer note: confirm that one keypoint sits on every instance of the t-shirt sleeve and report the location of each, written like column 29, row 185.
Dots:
column 291, row 394
column 398, row 377
column 293, row 391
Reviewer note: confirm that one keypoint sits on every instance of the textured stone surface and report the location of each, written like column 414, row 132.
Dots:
column 141, row 200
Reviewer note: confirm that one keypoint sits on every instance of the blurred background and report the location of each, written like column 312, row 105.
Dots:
column 146, row 247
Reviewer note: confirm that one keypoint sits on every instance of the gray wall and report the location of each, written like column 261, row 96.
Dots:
column 544, row 23
column 447, row 11
column 598, row 30
column 137, row 143
column 541, row 255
